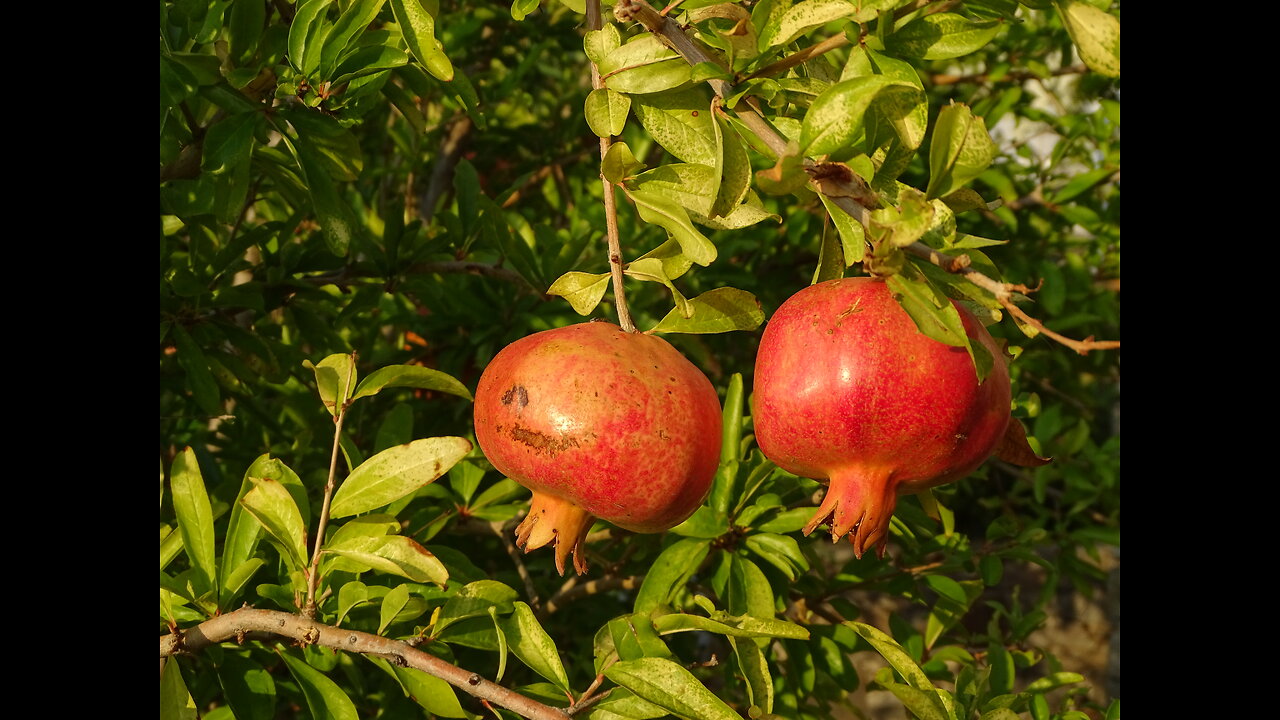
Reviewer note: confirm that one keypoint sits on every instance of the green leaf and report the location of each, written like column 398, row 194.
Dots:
column 680, row 122
column 670, row 571
column 307, row 19
column 335, row 378
column 668, row 685
column 335, row 216
column 395, row 554
column 176, row 702
column 658, row 210
column 801, row 17
column 1096, row 34
column 606, row 111
column 351, row 23
column 435, row 695
column 392, row 603
column 1054, row 681
column 923, row 704
column 715, row 311
column 584, row 291
column 533, row 645
column 274, row 507
column 653, row 270
column 325, row 699
column 195, row 518
column 941, row 36
column 396, row 472
column 691, row 185
column 248, row 687
column 368, row 61
column 960, row 150
column 643, row 65
column 474, row 600
column 703, row 523
column 836, row 118
column 419, row 30
column 414, row 376
column 729, row 626
column 228, row 143
column 932, row 312
column 619, row 164
column 852, row 239
column 781, row 551
column 204, row 388
column 749, row 590
column 755, row 670
column 599, row 43
column 897, row 656
column 243, row 531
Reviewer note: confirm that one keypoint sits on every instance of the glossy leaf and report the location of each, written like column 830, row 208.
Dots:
column 414, row 376
column 270, row 503
column 836, row 118
column 396, row 472
column 353, row 21
column 606, row 111
column 249, row 688
column 667, row 684
column 669, row 572
column 801, row 17
column 324, row 697
column 716, row 311
column 176, row 702
column 658, row 210
column 195, row 517
column 418, row 27
column 1096, row 34
column 755, row 670
column 392, row 603
column 306, row 20
column 941, row 36
column 584, row 291
column 680, row 122
column 395, row 554
column 535, row 648
column 960, row 150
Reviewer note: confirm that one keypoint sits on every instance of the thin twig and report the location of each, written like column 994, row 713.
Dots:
column 595, row 22
column 500, row 529
column 309, row 632
column 313, row 575
column 796, row 58
column 572, row 591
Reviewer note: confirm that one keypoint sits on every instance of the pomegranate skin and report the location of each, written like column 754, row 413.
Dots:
column 598, row 423
column 849, row 391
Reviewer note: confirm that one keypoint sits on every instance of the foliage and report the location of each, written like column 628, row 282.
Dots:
column 362, row 201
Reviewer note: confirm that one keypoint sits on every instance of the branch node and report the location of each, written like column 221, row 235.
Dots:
column 474, row 679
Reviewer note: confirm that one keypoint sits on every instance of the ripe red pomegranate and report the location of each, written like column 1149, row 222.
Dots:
column 849, row 391
column 598, row 423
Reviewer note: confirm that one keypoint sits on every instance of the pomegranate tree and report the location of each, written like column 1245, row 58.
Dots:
column 849, row 391
column 598, row 423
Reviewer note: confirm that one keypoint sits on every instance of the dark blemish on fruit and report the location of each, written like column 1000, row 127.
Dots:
column 541, row 442
column 695, row 113
column 516, row 394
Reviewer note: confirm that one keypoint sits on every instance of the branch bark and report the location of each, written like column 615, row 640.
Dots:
column 236, row 624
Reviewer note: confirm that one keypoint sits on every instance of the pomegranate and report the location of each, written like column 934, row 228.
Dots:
column 849, row 391
column 598, row 423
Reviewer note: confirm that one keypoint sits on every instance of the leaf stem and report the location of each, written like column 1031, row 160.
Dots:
column 595, row 22
column 313, row 574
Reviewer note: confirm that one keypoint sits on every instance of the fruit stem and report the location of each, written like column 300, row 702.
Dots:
column 594, row 22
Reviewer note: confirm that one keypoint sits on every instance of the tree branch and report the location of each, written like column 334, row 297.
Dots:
column 236, row 624
column 594, row 22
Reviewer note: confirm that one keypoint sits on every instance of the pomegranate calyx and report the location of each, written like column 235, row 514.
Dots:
column 555, row 521
column 859, row 503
